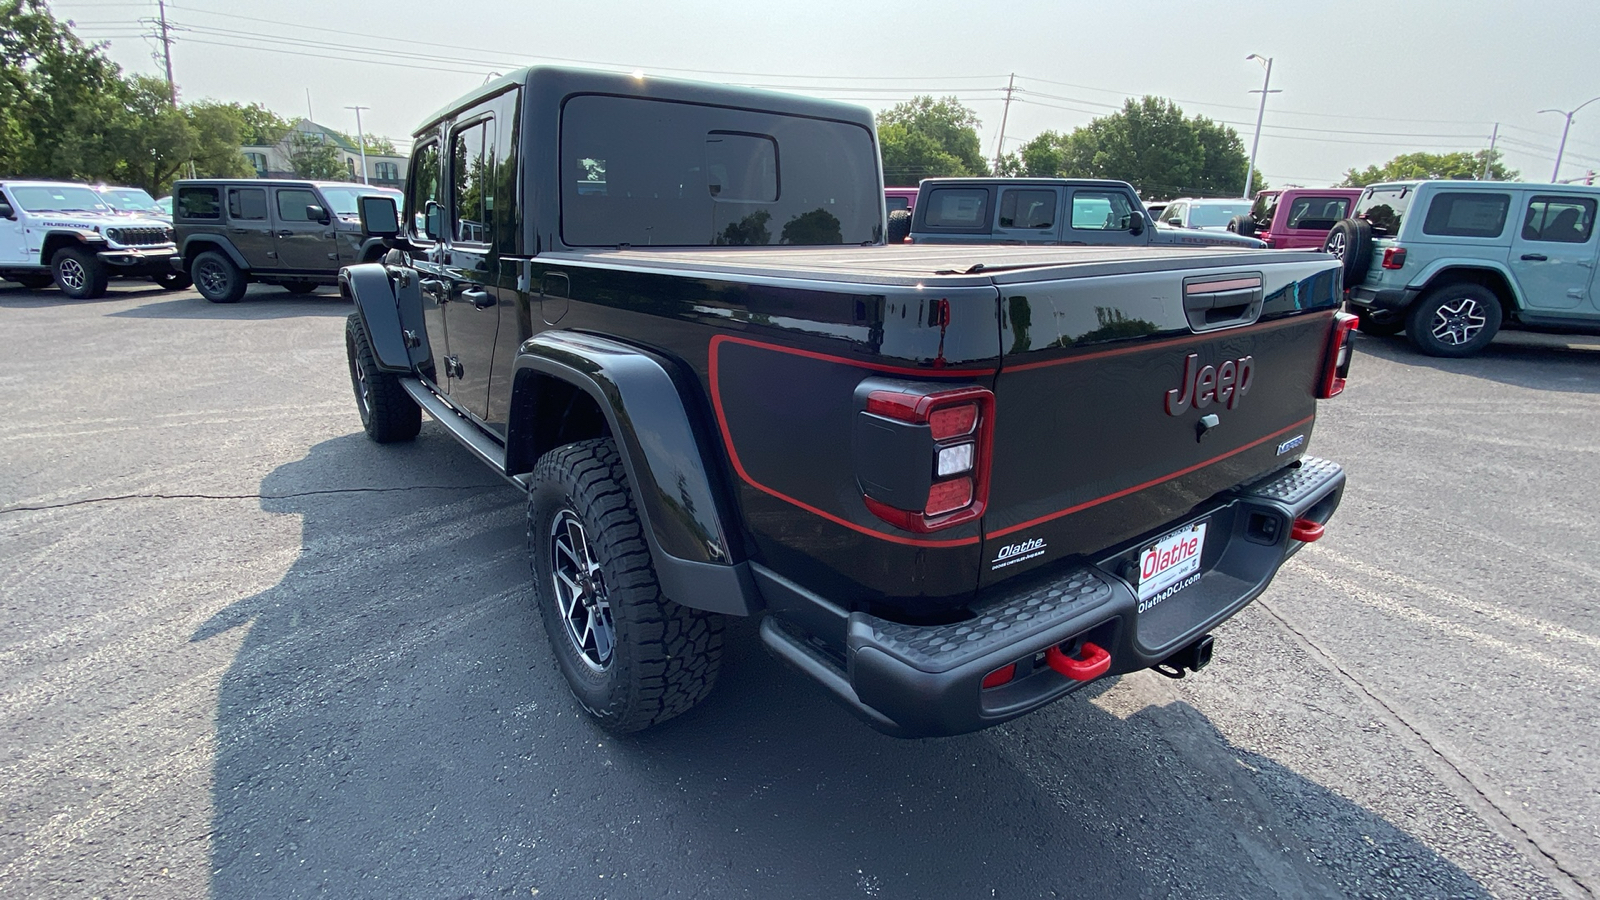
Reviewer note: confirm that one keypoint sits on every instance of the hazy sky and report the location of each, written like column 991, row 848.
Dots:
column 1361, row 81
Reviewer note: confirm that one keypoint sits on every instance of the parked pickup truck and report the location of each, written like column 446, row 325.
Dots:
column 957, row 483
column 1047, row 211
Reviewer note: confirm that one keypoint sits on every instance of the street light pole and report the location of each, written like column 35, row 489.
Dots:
column 361, row 140
column 1555, row 177
column 1266, row 88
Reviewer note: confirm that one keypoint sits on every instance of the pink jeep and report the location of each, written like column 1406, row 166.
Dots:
column 899, row 201
column 1297, row 218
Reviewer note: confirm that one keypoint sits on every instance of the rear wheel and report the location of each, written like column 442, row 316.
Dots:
column 217, row 278
column 1350, row 242
column 79, row 273
column 632, row 657
column 387, row 412
column 1454, row 320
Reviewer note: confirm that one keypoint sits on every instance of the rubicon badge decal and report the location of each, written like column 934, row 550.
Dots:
column 1011, row 554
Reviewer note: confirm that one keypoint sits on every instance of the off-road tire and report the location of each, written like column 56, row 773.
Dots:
column 1242, row 224
column 899, row 226
column 387, row 412
column 34, row 282
column 79, row 273
column 1350, row 241
column 174, row 282
column 664, row 657
column 299, row 287
column 1378, row 329
column 1454, row 320
column 217, row 278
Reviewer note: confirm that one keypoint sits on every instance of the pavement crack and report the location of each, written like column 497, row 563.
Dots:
column 1328, row 659
column 91, row 501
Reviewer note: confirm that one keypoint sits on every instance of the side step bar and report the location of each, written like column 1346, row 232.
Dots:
column 482, row 445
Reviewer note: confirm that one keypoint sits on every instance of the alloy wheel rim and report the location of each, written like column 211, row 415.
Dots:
column 363, row 389
column 1336, row 246
column 580, row 590
column 1458, row 323
column 213, row 278
column 72, row 275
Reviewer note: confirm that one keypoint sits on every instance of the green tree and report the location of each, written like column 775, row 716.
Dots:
column 219, row 133
column 926, row 138
column 151, row 141
column 1409, row 166
column 261, row 127
column 57, row 95
column 312, row 157
column 1149, row 143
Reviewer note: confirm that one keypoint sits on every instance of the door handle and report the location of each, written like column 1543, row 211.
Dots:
column 284, row 233
column 238, row 231
column 1535, row 257
column 480, row 299
column 436, row 289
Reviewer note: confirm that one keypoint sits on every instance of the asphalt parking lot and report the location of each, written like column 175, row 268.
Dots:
column 244, row 653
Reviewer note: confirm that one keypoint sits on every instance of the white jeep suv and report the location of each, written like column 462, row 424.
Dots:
column 66, row 233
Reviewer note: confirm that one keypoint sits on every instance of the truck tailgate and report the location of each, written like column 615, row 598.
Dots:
column 1126, row 400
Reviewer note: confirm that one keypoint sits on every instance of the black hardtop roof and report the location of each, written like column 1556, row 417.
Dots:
column 982, row 181
column 562, row 81
column 254, row 182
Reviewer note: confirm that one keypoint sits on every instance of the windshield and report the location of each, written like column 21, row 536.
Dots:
column 344, row 200
column 58, row 198
column 129, row 199
column 1208, row 215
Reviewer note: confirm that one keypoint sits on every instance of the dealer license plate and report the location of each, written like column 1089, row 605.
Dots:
column 1171, row 563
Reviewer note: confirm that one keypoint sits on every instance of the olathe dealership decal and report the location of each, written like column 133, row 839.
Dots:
column 1011, row 554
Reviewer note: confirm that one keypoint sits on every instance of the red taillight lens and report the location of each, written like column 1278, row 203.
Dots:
column 1339, row 353
column 960, row 425
column 1394, row 257
column 1002, row 675
column 953, row 421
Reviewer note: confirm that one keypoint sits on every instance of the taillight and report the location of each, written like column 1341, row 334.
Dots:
column 922, row 453
column 1338, row 360
column 1394, row 257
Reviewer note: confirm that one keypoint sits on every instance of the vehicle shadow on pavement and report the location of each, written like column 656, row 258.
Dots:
column 1520, row 359
column 263, row 302
column 14, row 297
column 393, row 725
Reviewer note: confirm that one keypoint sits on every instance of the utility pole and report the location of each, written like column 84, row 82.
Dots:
column 361, row 141
column 1266, row 88
column 1489, row 157
column 1000, row 145
column 166, row 52
column 1562, row 149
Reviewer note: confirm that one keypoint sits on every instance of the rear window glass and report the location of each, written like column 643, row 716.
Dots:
column 1215, row 215
column 1028, row 209
column 652, row 173
column 247, row 203
column 1564, row 220
column 1317, row 212
column 958, row 208
column 199, row 203
column 894, row 203
column 1462, row 214
column 1262, row 211
column 1384, row 208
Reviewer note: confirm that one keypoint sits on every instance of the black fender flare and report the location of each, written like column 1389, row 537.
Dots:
column 389, row 301
column 682, row 502
column 372, row 249
column 199, row 243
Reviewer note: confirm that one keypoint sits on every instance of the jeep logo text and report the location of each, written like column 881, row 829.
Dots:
column 1203, row 385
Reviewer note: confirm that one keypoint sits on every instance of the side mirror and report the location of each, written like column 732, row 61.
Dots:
column 379, row 217
column 6, row 212
column 316, row 213
column 1136, row 222
column 433, row 225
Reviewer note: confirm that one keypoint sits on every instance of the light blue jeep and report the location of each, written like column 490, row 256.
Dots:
column 1450, row 262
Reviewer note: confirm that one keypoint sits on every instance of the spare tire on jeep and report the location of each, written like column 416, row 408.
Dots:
column 1242, row 224
column 899, row 226
column 1350, row 242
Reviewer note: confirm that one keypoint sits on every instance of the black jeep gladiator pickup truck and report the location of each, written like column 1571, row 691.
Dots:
column 958, row 482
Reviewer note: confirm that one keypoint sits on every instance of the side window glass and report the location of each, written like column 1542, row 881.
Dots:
column 247, row 204
column 199, row 203
column 1464, row 214
column 1102, row 211
column 958, row 208
column 292, row 203
column 423, row 186
column 1028, row 209
column 1172, row 215
column 472, row 179
column 1564, row 220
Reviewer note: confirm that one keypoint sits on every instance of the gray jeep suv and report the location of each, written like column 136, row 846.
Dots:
column 295, row 234
column 1451, row 262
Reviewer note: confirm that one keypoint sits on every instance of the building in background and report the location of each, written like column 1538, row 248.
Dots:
column 277, row 160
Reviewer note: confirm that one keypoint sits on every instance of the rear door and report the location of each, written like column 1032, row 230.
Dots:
column 1107, row 389
column 1553, row 253
column 303, row 244
column 250, row 226
column 1028, row 215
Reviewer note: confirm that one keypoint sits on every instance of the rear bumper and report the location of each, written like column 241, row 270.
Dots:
column 927, row 680
column 1387, row 305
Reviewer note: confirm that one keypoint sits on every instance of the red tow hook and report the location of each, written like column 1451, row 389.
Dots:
column 1305, row 530
column 1095, row 662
